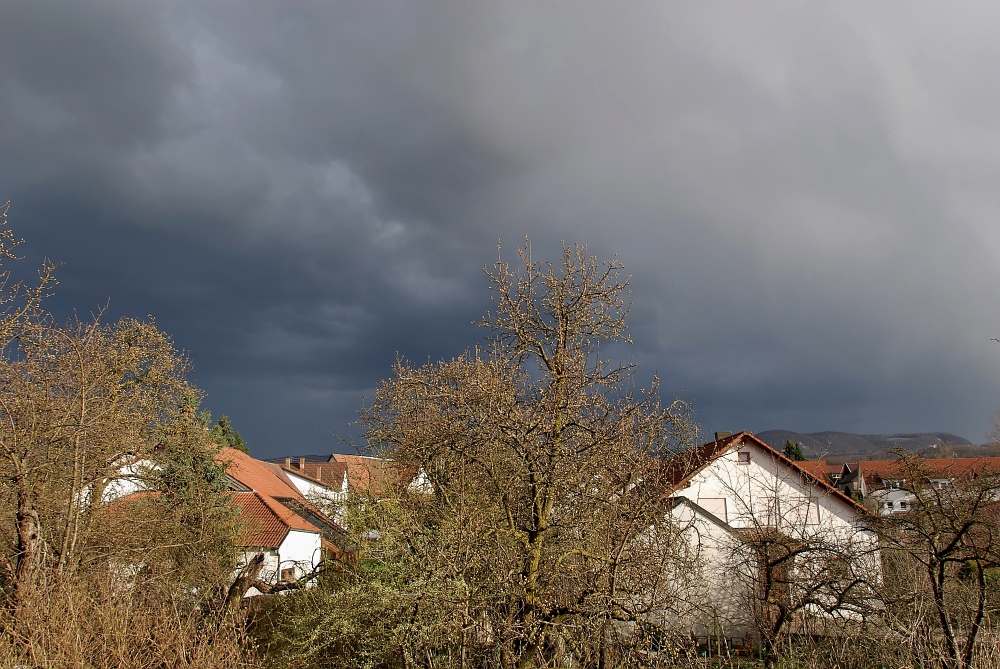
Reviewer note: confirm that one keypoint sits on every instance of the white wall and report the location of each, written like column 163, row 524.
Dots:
column 301, row 550
column 269, row 572
column 764, row 492
column 421, row 483
column 309, row 488
column 707, row 602
column 328, row 499
column 131, row 478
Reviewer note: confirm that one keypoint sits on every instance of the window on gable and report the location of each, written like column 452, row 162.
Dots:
column 715, row 506
column 743, row 457
column 803, row 511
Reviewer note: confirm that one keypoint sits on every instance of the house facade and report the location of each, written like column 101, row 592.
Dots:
column 757, row 520
column 278, row 522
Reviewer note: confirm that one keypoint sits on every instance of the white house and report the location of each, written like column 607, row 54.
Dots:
column 278, row 521
column 290, row 545
column 328, row 483
column 325, row 479
column 731, row 496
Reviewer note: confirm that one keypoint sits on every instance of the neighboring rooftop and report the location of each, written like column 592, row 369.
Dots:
column 270, row 505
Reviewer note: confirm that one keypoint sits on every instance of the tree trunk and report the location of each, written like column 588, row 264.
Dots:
column 604, row 659
column 29, row 547
column 244, row 580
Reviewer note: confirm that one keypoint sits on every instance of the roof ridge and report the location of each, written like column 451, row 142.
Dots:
column 794, row 464
column 714, row 449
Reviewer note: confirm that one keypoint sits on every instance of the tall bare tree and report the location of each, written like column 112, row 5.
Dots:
column 544, row 459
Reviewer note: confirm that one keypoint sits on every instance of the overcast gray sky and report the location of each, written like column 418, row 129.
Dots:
column 805, row 194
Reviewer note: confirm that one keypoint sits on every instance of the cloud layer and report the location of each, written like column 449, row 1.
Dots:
column 805, row 195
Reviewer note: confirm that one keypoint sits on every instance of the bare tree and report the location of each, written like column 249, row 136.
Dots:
column 89, row 413
column 547, row 538
column 940, row 559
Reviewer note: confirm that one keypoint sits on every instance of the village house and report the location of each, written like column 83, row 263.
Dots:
column 342, row 473
column 290, row 533
column 739, row 502
column 328, row 482
column 884, row 487
column 278, row 525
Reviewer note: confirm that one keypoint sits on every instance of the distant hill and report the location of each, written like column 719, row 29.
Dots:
column 844, row 446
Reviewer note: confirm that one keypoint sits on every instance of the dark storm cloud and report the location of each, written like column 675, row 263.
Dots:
column 803, row 194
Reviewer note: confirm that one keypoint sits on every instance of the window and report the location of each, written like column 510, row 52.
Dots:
column 288, row 574
column 888, row 505
column 804, row 511
column 743, row 457
column 715, row 506
column 902, row 506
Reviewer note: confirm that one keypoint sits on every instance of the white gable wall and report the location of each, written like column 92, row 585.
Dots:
column 421, row 483
column 329, row 499
column 301, row 550
column 764, row 492
column 767, row 492
column 132, row 477
column 310, row 488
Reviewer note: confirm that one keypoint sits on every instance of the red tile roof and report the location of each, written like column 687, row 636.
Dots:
column 875, row 471
column 262, row 527
column 255, row 474
column 819, row 468
column 274, row 506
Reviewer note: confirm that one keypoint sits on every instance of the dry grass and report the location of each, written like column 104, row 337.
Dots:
column 87, row 624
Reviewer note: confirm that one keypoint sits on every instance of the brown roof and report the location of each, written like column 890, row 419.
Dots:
column 327, row 473
column 373, row 476
column 683, row 466
column 819, row 468
column 255, row 474
column 262, row 527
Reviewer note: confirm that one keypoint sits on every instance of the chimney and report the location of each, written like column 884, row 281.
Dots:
column 302, row 464
column 719, row 436
column 288, row 463
column 319, row 473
